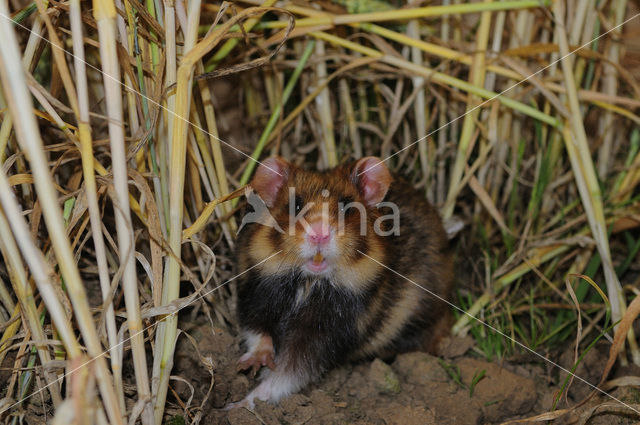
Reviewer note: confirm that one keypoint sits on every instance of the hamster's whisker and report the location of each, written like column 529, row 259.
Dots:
column 283, row 257
column 286, row 254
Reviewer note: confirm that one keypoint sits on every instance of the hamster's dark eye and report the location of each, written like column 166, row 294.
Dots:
column 343, row 202
column 298, row 203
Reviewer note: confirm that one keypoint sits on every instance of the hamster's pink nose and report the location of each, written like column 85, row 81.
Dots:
column 319, row 233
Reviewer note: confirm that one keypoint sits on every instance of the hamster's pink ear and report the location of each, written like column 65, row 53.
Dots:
column 372, row 178
column 271, row 175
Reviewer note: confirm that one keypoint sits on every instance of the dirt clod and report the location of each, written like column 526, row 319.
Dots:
column 503, row 394
column 396, row 414
column 451, row 347
column 420, row 369
column 383, row 377
column 242, row 417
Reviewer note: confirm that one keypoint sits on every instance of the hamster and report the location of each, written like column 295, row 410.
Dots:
column 331, row 291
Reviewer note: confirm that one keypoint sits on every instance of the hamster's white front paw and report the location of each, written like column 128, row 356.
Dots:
column 259, row 353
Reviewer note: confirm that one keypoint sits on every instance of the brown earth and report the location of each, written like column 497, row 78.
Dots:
column 415, row 388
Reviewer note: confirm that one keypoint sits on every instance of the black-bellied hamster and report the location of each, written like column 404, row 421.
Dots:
column 350, row 252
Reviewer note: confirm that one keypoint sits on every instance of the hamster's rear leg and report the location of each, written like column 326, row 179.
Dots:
column 259, row 352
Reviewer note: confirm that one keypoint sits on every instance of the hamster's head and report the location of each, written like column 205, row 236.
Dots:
column 321, row 223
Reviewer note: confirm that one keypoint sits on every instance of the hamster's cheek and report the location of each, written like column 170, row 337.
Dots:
column 359, row 261
column 289, row 256
column 263, row 244
column 269, row 250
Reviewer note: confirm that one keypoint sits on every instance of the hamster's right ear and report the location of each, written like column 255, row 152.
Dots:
column 271, row 175
column 372, row 178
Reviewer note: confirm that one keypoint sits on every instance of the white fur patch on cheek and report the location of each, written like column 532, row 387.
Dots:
column 331, row 250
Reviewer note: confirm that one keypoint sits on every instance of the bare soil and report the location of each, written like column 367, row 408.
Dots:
column 460, row 387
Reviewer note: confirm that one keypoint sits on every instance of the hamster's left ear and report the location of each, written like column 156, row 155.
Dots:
column 372, row 178
column 270, row 177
